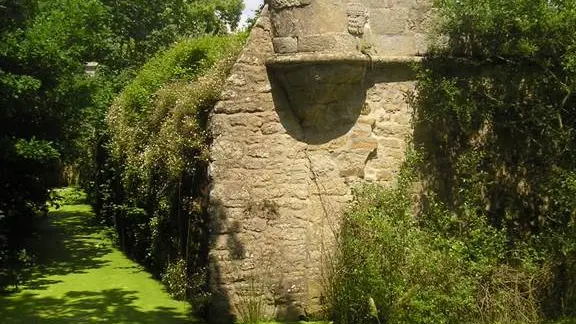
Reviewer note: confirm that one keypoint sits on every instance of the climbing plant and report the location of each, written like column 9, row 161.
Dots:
column 151, row 187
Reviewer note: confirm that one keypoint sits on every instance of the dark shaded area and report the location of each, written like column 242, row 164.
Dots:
column 507, row 128
column 218, row 311
column 235, row 247
column 388, row 72
column 321, row 101
column 497, row 139
column 107, row 306
column 287, row 305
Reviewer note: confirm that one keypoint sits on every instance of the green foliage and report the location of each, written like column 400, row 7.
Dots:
column 157, row 125
column 252, row 302
column 184, row 61
column 143, row 27
column 492, row 236
column 34, row 149
column 130, row 33
column 535, row 30
column 175, row 278
column 51, row 113
column 14, row 12
column 153, row 170
column 68, row 196
column 43, row 94
column 496, row 130
column 383, row 256
column 39, row 95
column 393, row 267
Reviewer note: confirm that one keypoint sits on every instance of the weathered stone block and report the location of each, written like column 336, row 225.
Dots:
column 272, row 128
column 283, row 45
column 397, row 45
column 414, row 4
column 396, row 155
column 236, row 80
column 379, row 3
column 421, row 43
column 389, row 21
column 316, row 43
column 284, row 24
column 420, row 20
column 391, row 142
column 256, row 224
column 391, row 128
column 375, row 174
column 366, row 144
column 282, row 4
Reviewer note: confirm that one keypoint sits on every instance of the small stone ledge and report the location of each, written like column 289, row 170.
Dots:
column 348, row 58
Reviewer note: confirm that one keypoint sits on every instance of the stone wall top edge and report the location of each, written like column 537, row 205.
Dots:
column 300, row 58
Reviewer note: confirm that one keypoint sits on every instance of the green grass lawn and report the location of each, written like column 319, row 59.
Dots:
column 79, row 277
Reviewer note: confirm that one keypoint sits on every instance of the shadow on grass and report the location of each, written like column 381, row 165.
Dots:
column 64, row 244
column 107, row 306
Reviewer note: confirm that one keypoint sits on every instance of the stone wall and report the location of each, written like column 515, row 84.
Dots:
column 293, row 134
column 390, row 27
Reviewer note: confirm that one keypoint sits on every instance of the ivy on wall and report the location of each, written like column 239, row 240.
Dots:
column 152, row 182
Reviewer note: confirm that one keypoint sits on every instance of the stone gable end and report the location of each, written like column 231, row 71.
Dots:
column 315, row 104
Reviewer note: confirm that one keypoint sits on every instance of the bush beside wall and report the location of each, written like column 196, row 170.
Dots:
column 152, row 179
column 491, row 237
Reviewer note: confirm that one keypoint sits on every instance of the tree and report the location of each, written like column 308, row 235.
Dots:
column 51, row 112
column 43, row 91
column 142, row 27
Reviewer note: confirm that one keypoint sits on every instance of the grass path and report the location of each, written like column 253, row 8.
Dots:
column 80, row 277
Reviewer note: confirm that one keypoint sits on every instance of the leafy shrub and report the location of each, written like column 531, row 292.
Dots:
column 13, row 263
column 68, row 196
column 175, row 278
column 492, row 238
column 153, row 167
column 495, row 128
column 388, row 260
column 158, row 119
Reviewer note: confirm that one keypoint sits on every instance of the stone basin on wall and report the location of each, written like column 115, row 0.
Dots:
column 319, row 96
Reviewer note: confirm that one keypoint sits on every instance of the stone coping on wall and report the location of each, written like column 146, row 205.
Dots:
column 303, row 58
